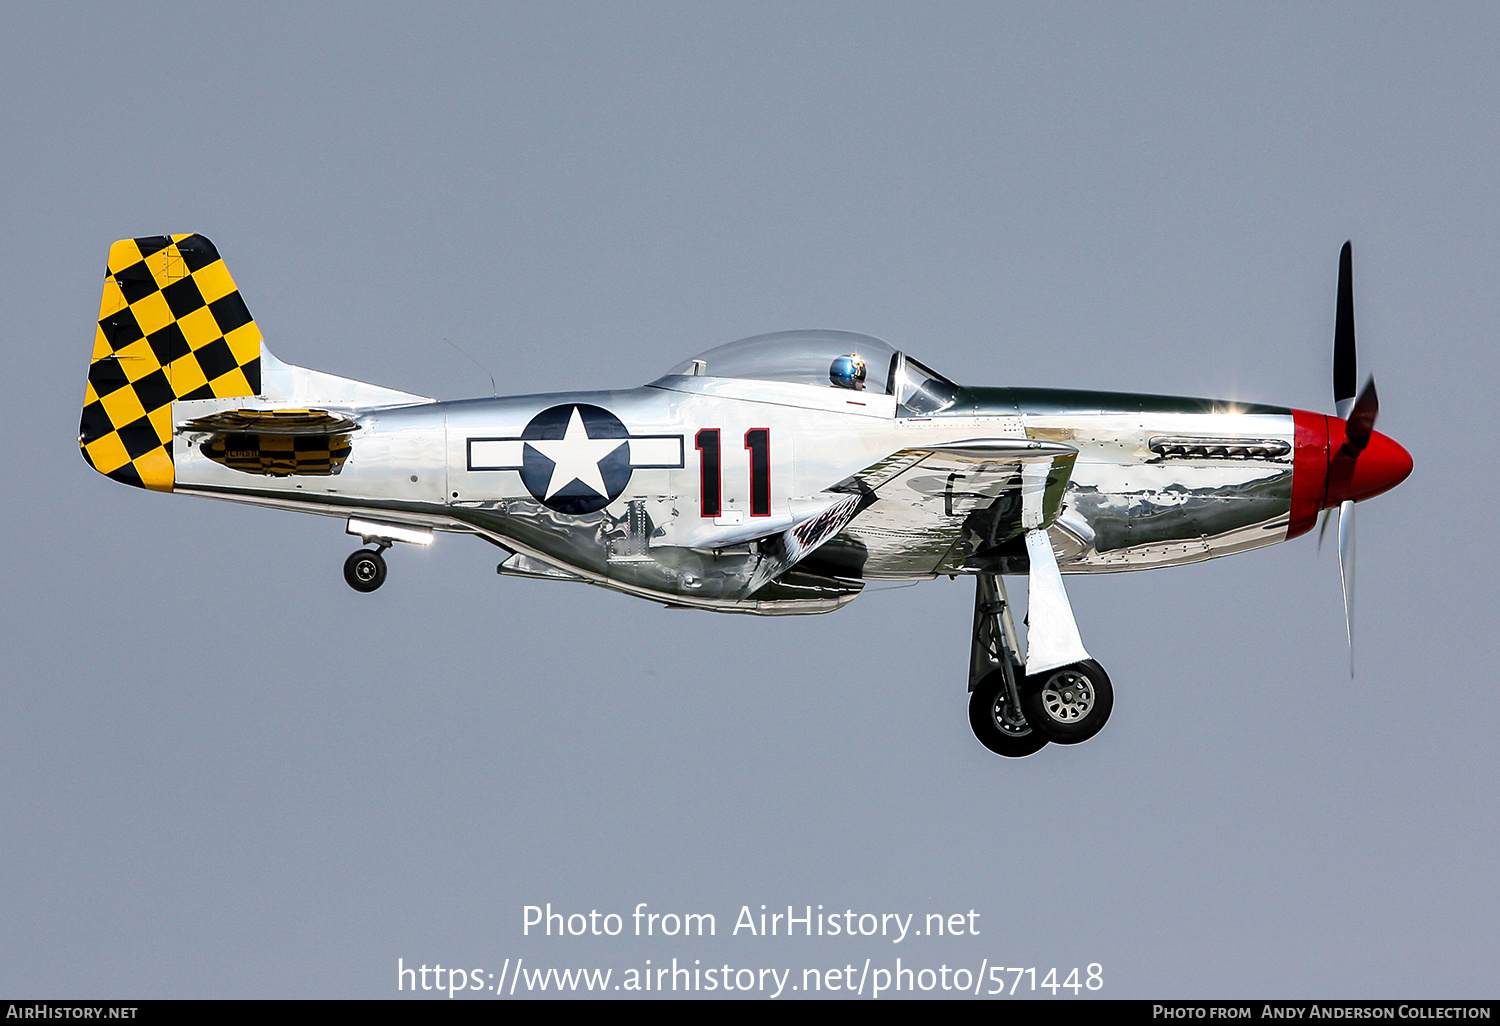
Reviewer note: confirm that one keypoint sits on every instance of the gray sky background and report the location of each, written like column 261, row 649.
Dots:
column 223, row 773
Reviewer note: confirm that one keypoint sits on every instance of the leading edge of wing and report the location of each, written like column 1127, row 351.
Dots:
column 933, row 509
column 977, row 450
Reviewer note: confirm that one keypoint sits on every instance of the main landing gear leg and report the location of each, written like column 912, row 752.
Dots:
column 996, row 676
column 1066, row 695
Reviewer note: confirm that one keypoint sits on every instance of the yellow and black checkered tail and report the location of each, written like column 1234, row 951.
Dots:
column 172, row 326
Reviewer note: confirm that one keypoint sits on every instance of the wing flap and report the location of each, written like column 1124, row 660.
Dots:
column 799, row 541
column 759, row 529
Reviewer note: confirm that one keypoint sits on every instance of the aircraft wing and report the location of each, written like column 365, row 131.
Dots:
column 927, row 510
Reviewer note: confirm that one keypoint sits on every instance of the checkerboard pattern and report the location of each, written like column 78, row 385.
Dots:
column 280, row 455
column 172, row 326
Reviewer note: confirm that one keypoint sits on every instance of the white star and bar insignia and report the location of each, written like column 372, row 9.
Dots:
column 575, row 458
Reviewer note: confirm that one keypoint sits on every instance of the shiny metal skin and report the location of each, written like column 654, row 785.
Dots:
column 770, row 476
column 1118, row 481
column 774, row 475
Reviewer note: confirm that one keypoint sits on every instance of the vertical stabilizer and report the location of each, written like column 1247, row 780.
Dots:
column 171, row 326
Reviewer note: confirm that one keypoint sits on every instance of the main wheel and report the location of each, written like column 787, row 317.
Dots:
column 1000, row 728
column 365, row 570
column 1069, row 704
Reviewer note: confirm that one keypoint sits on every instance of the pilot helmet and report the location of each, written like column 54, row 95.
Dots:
column 848, row 372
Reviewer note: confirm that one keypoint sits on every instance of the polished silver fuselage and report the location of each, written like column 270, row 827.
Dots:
column 1157, row 482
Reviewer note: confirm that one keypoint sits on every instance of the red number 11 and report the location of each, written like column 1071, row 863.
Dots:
column 710, row 471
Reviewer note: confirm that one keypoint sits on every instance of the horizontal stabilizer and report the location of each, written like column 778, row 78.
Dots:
column 173, row 328
column 271, row 422
column 285, row 381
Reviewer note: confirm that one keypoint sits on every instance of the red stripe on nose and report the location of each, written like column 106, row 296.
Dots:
column 1323, row 475
column 1309, row 469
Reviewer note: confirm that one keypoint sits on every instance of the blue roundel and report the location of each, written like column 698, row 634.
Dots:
column 576, row 459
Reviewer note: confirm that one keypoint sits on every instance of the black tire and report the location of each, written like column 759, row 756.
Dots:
column 1069, row 704
column 365, row 570
column 1009, row 736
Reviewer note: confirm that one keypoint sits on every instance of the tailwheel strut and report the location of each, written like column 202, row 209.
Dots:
column 365, row 569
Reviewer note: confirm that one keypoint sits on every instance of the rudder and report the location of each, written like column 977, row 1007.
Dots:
column 171, row 326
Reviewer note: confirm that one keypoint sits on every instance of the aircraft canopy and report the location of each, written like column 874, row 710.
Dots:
column 805, row 357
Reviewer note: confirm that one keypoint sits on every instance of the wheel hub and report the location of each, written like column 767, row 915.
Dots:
column 1068, row 697
column 1008, row 719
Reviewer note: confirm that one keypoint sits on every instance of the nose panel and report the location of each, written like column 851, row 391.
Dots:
column 1323, row 477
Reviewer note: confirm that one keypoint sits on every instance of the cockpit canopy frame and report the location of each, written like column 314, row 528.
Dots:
column 804, row 357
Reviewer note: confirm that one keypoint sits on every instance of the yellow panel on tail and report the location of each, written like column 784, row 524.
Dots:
column 171, row 326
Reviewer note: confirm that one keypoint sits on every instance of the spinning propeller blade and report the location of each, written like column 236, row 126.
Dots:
column 1359, row 422
column 1346, row 571
column 1344, row 365
column 1359, row 416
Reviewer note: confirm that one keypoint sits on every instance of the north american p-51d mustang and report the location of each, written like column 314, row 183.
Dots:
column 774, row 475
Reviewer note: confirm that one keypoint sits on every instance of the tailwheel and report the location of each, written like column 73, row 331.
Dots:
column 365, row 570
column 1069, row 704
column 997, row 724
